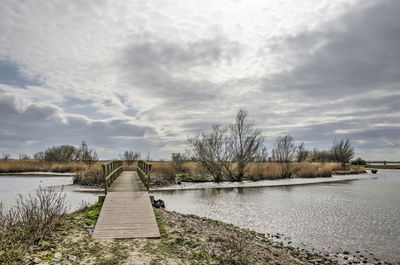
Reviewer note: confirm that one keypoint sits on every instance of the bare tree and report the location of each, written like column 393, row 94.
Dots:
column 320, row 156
column 22, row 156
column 130, row 156
column 245, row 142
column 39, row 156
column 284, row 154
column 177, row 161
column 273, row 156
column 262, row 155
column 87, row 155
column 5, row 156
column 212, row 151
column 342, row 151
column 301, row 153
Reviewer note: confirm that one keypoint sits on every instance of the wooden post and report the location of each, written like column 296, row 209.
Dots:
column 148, row 178
column 101, row 198
column 105, row 180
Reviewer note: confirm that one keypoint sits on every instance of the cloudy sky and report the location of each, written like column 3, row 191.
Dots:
column 145, row 75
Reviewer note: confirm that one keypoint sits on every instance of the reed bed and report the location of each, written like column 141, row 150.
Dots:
column 314, row 170
column 14, row 166
column 260, row 171
column 90, row 176
column 166, row 172
column 272, row 170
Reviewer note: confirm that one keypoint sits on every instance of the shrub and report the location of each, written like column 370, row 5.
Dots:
column 30, row 221
column 359, row 161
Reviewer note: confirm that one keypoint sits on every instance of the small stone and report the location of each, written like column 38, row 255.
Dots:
column 72, row 258
column 57, row 256
column 91, row 245
column 36, row 260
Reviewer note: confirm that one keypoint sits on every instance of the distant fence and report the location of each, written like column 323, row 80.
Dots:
column 111, row 170
column 143, row 170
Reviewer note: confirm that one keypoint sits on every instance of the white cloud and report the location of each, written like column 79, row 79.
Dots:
column 167, row 70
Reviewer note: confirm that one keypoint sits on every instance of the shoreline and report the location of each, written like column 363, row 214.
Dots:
column 38, row 174
column 262, row 183
column 185, row 239
column 210, row 184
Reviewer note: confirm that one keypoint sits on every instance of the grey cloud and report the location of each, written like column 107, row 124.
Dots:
column 159, row 53
column 348, row 74
column 358, row 52
column 159, row 68
column 36, row 127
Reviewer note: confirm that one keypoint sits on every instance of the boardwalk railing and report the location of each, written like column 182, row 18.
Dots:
column 143, row 170
column 111, row 170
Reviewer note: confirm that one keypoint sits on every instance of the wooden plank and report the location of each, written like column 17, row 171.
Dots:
column 127, row 211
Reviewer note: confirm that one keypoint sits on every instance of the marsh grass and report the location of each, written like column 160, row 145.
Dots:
column 14, row 166
column 90, row 176
column 164, row 172
column 260, row 171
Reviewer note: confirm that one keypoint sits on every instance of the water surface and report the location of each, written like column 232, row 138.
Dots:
column 361, row 215
column 11, row 186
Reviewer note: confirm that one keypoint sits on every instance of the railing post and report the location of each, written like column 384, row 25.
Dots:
column 104, row 176
column 111, row 170
column 148, row 178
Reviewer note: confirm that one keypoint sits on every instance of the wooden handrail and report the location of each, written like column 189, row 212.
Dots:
column 111, row 170
column 143, row 170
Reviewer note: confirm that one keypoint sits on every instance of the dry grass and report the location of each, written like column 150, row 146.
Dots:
column 164, row 172
column 314, row 170
column 13, row 166
column 259, row 171
column 91, row 176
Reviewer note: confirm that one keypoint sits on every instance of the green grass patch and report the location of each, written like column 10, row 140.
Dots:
column 92, row 213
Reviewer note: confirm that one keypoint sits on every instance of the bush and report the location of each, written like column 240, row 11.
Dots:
column 30, row 221
column 359, row 162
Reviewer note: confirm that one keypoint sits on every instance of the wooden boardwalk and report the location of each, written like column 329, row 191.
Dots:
column 127, row 211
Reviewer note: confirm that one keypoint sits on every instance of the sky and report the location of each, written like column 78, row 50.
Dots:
column 146, row 75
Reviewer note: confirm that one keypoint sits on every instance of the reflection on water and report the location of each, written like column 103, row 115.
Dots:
column 361, row 215
column 11, row 186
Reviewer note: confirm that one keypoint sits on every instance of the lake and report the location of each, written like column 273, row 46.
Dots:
column 360, row 215
column 11, row 186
